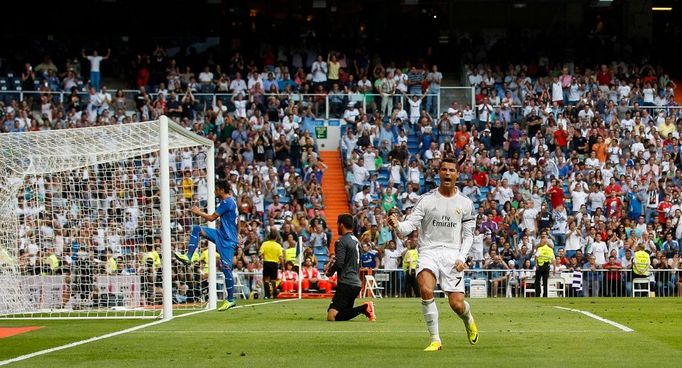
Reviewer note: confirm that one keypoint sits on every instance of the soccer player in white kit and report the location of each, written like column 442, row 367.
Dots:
column 446, row 221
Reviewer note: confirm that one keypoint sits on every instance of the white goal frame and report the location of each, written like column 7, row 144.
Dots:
column 166, row 127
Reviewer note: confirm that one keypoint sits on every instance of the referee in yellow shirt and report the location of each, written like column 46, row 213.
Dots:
column 273, row 256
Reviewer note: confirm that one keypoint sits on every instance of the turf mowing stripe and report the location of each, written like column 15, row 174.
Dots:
column 117, row 333
column 598, row 318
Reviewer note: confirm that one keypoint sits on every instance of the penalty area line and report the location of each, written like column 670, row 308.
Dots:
column 598, row 318
column 117, row 333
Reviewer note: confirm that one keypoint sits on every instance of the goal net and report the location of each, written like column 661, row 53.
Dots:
column 89, row 218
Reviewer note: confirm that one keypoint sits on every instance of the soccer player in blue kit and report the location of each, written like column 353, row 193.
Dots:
column 224, row 237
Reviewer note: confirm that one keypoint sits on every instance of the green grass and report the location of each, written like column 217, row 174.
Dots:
column 514, row 333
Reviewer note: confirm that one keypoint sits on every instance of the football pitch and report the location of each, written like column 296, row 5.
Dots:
column 513, row 333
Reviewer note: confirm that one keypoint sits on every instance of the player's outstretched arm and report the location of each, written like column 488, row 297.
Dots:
column 411, row 223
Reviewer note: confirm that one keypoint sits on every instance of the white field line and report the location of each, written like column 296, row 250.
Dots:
column 355, row 331
column 598, row 318
column 117, row 333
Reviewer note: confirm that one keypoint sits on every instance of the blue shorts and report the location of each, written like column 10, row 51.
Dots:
column 223, row 246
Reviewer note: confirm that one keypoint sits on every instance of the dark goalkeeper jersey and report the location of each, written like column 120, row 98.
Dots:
column 347, row 262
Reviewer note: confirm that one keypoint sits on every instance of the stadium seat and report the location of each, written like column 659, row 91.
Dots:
column 478, row 289
column 238, row 285
column 371, row 288
column 555, row 287
column 528, row 287
column 220, row 286
column 640, row 285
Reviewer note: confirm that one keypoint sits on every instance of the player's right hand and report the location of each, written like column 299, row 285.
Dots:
column 196, row 210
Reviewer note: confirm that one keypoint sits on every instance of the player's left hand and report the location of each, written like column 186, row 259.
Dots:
column 460, row 266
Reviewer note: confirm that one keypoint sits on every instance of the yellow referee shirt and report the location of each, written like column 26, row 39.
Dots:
column 545, row 254
column 271, row 251
column 410, row 260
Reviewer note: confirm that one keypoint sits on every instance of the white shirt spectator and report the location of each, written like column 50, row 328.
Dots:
column 573, row 241
column 370, row 163
column 578, row 198
column 390, row 261
column 528, row 218
column 628, row 124
column 415, row 109
column 409, row 200
column 503, row 194
column 360, row 174
column 636, row 148
column 648, row 95
column 475, row 79
column 597, row 200
column 360, row 197
column 588, row 115
column 237, row 86
column 319, row 70
column 395, row 173
column 413, row 175
column 350, row 114
column 593, row 162
column 599, row 251
column 205, row 77
column 400, row 82
column 94, row 62
column 557, row 91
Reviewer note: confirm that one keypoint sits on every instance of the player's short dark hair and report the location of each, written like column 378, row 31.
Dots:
column 346, row 220
column 449, row 160
column 223, row 185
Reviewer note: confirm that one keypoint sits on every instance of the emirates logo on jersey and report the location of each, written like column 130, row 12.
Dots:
column 444, row 221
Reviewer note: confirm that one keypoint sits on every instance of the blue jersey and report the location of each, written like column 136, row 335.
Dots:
column 229, row 215
column 368, row 259
column 634, row 204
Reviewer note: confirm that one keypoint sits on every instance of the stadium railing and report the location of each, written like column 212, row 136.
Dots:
column 324, row 105
column 521, row 283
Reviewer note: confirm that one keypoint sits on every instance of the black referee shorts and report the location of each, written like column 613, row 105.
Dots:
column 270, row 270
column 344, row 297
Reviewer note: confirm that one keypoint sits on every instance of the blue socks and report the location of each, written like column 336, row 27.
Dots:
column 193, row 241
column 229, row 283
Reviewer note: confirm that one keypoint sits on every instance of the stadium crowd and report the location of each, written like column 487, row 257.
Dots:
column 584, row 158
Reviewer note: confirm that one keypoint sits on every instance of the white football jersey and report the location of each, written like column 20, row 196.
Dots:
column 447, row 222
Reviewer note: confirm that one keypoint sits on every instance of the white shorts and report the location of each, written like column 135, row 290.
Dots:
column 441, row 262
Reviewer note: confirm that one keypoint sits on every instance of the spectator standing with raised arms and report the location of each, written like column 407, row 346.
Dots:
column 95, row 60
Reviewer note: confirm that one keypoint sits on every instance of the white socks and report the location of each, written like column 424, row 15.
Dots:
column 466, row 315
column 431, row 317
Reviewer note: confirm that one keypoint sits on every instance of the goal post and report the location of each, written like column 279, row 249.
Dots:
column 90, row 217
